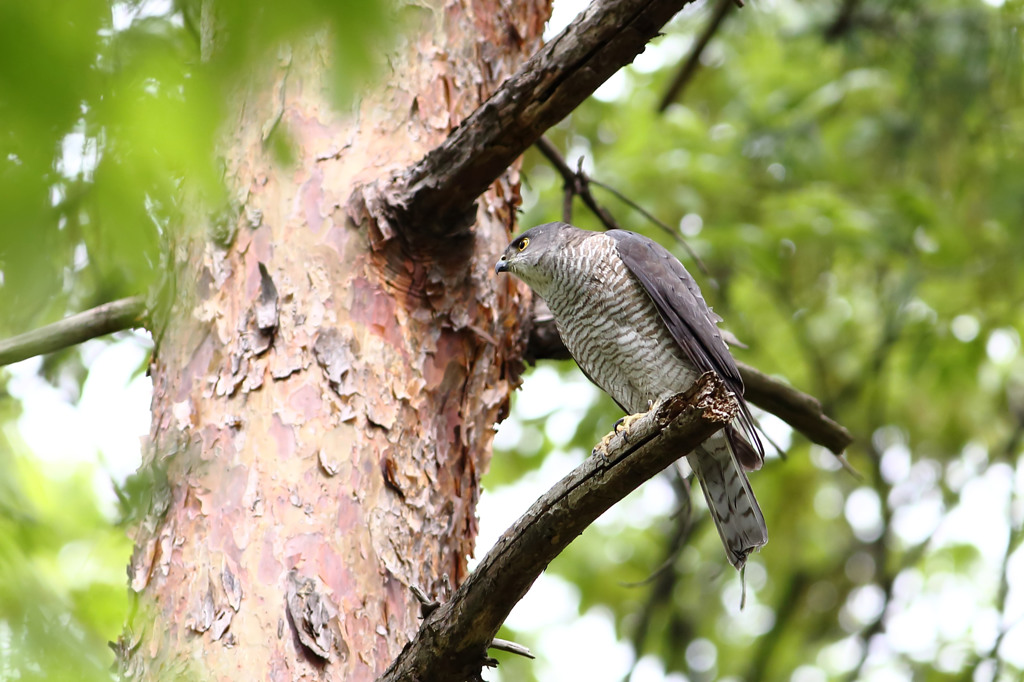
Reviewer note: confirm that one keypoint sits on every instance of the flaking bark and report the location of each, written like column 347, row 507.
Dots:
column 322, row 410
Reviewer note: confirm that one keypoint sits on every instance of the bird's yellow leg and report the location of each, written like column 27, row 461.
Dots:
column 623, row 423
column 627, row 421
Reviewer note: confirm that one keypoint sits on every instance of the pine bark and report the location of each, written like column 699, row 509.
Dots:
column 325, row 395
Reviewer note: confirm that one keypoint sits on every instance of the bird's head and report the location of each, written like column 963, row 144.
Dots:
column 530, row 256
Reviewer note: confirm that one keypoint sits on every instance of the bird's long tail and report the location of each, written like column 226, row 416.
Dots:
column 729, row 497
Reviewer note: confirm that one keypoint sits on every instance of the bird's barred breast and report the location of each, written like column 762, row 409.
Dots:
column 613, row 330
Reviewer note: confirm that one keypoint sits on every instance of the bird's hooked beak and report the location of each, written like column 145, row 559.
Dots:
column 502, row 265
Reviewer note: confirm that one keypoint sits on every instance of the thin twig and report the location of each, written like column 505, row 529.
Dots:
column 684, row 527
column 1016, row 537
column 880, row 551
column 689, row 67
column 567, row 195
column 578, row 183
column 115, row 316
column 575, row 183
column 511, row 647
column 849, row 468
column 427, row 605
column 647, row 214
column 771, row 441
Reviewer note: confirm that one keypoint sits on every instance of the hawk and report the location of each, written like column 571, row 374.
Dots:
column 635, row 322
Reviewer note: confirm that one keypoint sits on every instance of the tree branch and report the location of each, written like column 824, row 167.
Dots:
column 689, row 67
column 576, row 183
column 656, row 221
column 801, row 411
column 436, row 195
column 115, row 316
column 452, row 642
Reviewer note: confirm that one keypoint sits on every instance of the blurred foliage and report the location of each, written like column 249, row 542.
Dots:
column 106, row 107
column 854, row 184
column 62, row 580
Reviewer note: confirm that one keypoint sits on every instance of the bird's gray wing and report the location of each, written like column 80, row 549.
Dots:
column 690, row 321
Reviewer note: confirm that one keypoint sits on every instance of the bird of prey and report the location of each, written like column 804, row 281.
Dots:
column 635, row 322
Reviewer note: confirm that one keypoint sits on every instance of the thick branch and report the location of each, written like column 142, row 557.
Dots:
column 436, row 195
column 452, row 643
column 801, row 411
column 104, row 319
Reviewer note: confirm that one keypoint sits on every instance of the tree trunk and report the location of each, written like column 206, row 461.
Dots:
column 324, row 395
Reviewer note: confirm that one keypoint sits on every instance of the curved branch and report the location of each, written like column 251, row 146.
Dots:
column 436, row 195
column 452, row 642
column 801, row 411
column 115, row 316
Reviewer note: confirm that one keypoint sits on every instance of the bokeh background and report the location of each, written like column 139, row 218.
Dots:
column 850, row 175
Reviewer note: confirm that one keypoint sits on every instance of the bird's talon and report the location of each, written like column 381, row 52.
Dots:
column 601, row 449
column 625, row 423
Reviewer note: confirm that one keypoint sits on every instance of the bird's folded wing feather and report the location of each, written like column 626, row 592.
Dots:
column 688, row 318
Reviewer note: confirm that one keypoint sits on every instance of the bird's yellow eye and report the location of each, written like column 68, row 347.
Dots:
column 523, row 243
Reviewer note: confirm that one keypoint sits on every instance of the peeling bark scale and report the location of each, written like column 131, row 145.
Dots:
column 323, row 396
